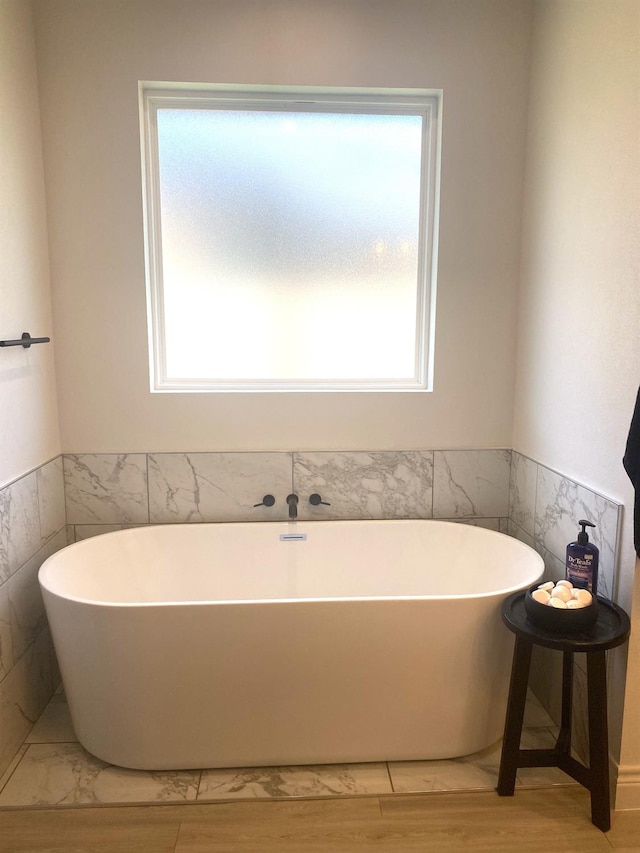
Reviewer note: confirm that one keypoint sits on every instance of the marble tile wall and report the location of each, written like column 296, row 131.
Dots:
column 110, row 491
column 77, row 496
column 544, row 509
column 32, row 527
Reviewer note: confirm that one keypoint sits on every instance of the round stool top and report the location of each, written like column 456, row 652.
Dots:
column 611, row 628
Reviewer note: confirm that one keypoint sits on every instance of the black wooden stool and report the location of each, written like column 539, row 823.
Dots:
column 611, row 629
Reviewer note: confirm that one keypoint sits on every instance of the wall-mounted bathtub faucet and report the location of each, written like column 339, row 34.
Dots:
column 267, row 500
column 315, row 500
column 292, row 500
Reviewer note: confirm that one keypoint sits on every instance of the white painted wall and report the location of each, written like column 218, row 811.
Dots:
column 91, row 57
column 29, row 434
column 578, row 366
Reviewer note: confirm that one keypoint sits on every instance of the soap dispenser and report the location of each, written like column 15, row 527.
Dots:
column 582, row 560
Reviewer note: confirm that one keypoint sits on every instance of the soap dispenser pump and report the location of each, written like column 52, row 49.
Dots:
column 582, row 560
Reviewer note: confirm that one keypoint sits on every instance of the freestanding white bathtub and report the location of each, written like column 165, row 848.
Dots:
column 228, row 645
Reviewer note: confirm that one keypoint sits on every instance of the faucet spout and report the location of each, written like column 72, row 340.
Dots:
column 292, row 501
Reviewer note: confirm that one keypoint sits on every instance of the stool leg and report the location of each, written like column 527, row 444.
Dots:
column 563, row 744
column 598, row 740
column 515, row 717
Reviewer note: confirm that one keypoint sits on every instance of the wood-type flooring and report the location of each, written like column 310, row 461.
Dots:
column 552, row 820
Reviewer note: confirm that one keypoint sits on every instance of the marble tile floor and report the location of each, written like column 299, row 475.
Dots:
column 52, row 769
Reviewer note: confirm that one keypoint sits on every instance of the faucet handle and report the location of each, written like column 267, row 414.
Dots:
column 315, row 499
column 267, row 500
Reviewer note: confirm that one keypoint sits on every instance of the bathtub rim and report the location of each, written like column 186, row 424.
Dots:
column 47, row 569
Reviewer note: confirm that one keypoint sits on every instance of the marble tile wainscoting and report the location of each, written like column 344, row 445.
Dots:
column 32, row 527
column 111, row 491
column 499, row 489
column 544, row 509
column 81, row 495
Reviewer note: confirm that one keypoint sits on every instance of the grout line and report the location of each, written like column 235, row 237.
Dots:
column 39, row 505
column 146, row 460
column 198, row 786
column 433, row 484
column 13, row 766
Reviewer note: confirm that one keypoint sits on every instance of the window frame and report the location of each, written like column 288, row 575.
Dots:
column 427, row 103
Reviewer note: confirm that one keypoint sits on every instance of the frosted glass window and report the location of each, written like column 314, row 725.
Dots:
column 290, row 244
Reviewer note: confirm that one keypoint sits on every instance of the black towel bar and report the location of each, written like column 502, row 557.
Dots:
column 25, row 341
